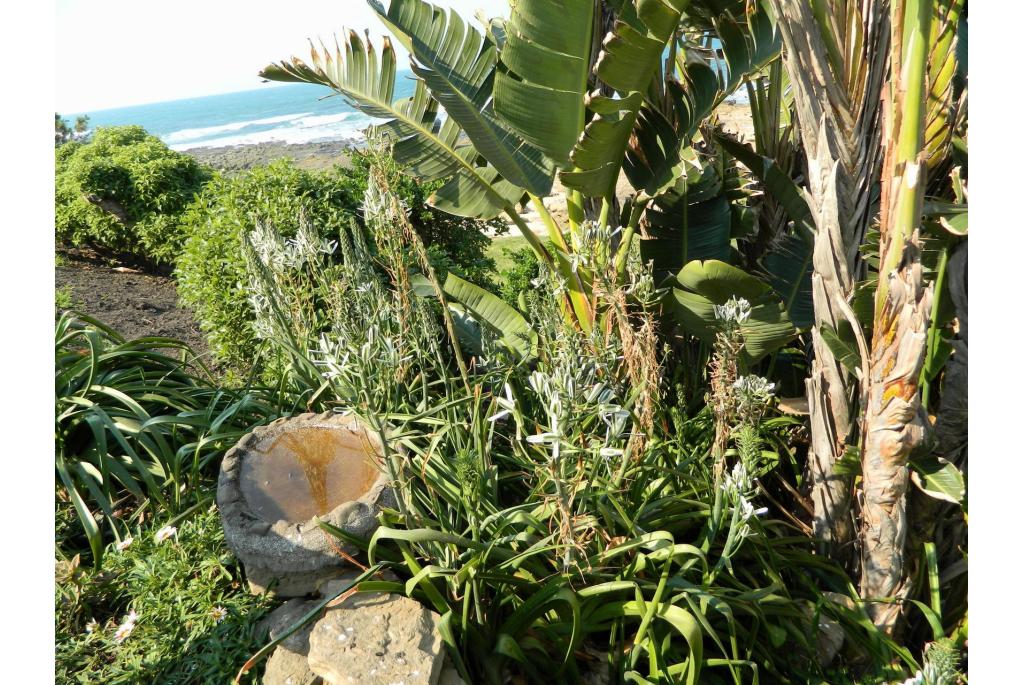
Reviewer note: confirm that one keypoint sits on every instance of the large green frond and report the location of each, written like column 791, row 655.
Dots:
column 457, row 63
column 691, row 221
column 630, row 58
column 546, row 59
column 703, row 284
column 429, row 148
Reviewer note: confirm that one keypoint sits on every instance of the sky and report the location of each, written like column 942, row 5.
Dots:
column 115, row 53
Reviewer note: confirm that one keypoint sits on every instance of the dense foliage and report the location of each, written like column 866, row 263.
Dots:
column 605, row 470
column 819, row 224
column 561, row 519
column 137, row 428
column 123, row 192
column 211, row 271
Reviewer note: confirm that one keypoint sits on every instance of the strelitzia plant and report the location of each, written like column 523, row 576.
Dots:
column 612, row 105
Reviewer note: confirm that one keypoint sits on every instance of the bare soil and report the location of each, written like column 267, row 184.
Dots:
column 134, row 303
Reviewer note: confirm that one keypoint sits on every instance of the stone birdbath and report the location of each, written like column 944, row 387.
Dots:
column 280, row 478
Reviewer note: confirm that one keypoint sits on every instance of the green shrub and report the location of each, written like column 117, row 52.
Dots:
column 122, row 193
column 546, row 510
column 522, row 267
column 211, row 270
column 174, row 587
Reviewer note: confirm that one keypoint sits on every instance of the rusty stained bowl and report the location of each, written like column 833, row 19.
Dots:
column 279, row 478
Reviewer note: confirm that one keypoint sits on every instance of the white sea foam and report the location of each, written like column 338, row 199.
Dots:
column 324, row 119
column 309, row 129
column 196, row 134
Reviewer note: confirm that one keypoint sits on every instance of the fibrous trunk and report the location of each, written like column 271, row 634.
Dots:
column 894, row 426
column 894, row 423
column 837, row 91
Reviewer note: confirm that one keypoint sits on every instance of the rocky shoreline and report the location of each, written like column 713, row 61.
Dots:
column 310, row 156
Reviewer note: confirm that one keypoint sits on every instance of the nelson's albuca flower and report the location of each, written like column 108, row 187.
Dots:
column 165, row 533
column 735, row 311
column 507, row 404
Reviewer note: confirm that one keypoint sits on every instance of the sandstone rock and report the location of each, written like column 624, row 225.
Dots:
column 450, row 676
column 377, row 639
column 279, row 479
column 285, row 667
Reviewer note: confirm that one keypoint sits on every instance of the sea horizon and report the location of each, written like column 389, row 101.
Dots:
column 292, row 114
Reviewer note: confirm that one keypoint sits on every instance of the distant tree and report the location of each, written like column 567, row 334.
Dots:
column 62, row 131
column 82, row 124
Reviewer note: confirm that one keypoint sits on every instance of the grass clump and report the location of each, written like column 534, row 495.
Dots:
column 63, row 298
column 195, row 622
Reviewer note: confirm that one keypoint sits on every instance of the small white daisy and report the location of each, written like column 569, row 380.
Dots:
column 126, row 627
column 218, row 614
column 165, row 533
column 92, row 626
column 125, row 544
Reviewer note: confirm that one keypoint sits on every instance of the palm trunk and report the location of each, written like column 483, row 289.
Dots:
column 894, row 423
column 837, row 90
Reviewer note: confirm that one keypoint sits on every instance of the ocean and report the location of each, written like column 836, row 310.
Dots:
column 292, row 113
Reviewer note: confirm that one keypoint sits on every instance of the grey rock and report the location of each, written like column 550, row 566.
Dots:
column 285, row 667
column 300, row 555
column 294, row 583
column 373, row 639
column 450, row 676
column 332, row 588
column 284, row 617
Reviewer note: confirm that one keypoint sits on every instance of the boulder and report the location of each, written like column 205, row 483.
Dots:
column 280, row 479
column 287, row 664
column 450, row 676
column 285, row 667
column 372, row 639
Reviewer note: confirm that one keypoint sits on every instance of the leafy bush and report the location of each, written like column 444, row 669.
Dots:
column 135, row 425
column 211, row 271
column 176, row 589
column 522, row 267
column 122, row 192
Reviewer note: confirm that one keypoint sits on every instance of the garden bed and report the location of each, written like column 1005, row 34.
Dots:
column 133, row 302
